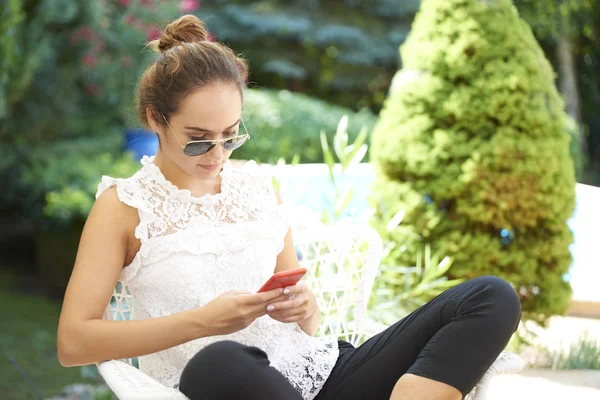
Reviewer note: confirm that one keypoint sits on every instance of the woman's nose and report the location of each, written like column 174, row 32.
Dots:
column 217, row 151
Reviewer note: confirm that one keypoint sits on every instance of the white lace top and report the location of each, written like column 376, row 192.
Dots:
column 195, row 248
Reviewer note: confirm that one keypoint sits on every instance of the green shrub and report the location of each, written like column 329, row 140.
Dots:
column 66, row 86
column 343, row 52
column 72, row 182
column 11, row 17
column 283, row 124
column 472, row 145
column 51, row 167
column 74, row 199
column 43, row 92
column 42, row 68
column 116, row 46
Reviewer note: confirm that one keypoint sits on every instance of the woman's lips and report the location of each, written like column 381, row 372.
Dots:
column 210, row 167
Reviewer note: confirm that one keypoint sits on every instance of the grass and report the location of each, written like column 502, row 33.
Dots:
column 581, row 354
column 28, row 362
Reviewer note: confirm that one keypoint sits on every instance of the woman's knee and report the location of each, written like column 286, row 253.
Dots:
column 225, row 348
column 212, row 369
column 213, row 360
column 225, row 369
column 502, row 295
column 219, row 354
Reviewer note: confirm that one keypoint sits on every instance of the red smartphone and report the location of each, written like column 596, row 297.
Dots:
column 283, row 279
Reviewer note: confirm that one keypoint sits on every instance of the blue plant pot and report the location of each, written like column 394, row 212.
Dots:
column 141, row 142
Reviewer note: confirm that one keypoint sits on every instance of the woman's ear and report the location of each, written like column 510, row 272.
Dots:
column 150, row 116
column 152, row 123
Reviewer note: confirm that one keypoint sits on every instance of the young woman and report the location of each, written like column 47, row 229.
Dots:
column 194, row 239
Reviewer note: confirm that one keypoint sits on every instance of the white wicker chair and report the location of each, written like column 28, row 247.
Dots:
column 342, row 261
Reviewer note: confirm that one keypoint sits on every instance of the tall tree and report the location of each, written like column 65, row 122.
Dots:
column 563, row 21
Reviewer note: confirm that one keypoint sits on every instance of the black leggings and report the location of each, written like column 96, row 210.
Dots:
column 452, row 339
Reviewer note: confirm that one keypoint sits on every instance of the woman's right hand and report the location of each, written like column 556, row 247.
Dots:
column 235, row 310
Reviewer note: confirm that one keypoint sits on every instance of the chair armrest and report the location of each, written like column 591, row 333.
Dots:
column 129, row 383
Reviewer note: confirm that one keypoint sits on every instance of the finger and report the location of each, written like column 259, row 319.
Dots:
column 270, row 295
column 259, row 312
column 261, row 309
column 287, row 304
column 264, row 297
column 293, row 318
column 289, row 318
column 295, row 289
column 287, row 314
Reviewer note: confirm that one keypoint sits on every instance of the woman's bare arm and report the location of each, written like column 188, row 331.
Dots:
column 288, row 259
column 107, row 242
column 83, row 337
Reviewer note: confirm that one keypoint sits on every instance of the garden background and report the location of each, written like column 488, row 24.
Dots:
column 467, row 144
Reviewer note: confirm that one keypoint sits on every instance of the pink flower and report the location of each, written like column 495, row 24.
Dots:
column 98, row 47
column 186, row 6
column 153, row 34
column 83, row 33
column 92, row 89
column 125, row 3
column 86, row 33
column 90, row 60
column 130, row 19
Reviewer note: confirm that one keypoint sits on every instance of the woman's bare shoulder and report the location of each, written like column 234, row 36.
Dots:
column 108, row 208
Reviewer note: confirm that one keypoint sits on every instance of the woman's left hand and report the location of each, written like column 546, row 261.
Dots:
column 297, row 305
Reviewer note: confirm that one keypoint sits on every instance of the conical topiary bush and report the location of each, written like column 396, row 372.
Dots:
column 472, row 145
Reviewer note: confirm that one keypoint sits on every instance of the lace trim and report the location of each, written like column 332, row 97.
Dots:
column 221, row 223
column 185, row 194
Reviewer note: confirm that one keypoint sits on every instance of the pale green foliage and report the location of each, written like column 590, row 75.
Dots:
column 286, row 124
column 348, row 156
column 583, row 353
column 399, row 290
column 414, row 285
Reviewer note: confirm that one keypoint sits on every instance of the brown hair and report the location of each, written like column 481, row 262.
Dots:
column 188, row 61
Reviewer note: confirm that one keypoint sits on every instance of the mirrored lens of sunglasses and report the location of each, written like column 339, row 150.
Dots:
column 197, row 148
column 234, row 143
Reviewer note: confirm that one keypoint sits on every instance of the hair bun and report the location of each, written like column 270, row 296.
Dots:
column 186, row 29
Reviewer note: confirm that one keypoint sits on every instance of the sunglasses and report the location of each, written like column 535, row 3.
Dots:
column 199, row 147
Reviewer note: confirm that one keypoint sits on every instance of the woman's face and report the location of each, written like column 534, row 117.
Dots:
column 210, row 113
